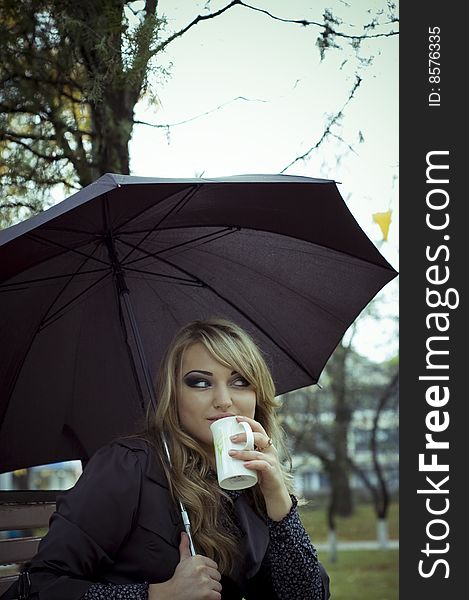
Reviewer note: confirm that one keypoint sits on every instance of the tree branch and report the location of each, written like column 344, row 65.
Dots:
column 306, row 23
column 18, row 205
column 303, row 443
column 302, row 22
column 208, row 112
column 342, row 141
column 32, row 150
column 327, row 131
column 196, row 21
column 55, row 83
column 28, row 136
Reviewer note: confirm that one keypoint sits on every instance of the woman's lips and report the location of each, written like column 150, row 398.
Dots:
column 217, row 417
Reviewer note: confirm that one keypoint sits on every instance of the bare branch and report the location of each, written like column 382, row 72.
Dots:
column 197, row 20
column 342, row 141
column 18, row 205
column 306, row 23
column 327, row 131
column 302, row 22
column 27, row 136
column 208, row 112
column 32, row 150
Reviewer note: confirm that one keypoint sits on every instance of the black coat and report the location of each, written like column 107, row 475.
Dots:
column 118, row 524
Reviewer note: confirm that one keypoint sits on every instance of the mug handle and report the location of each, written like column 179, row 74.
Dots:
column 249, row 445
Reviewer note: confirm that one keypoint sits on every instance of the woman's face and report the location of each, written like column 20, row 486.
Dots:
column 208, row 391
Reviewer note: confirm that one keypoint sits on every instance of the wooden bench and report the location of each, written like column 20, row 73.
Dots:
column 22, row 511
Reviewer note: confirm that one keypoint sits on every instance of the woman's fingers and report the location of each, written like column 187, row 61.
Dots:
column 214, row 574
column 259, row 465
column 261, row 440
column 255, row 425
column 207, row 562
column 196, row 577
column 250, row 455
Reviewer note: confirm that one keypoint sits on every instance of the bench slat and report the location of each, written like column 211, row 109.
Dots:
column 18, row 550
column 22, row 509
column 25, row 496
column 25, row 516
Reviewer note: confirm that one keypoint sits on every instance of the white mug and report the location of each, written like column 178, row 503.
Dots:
column 231, row 472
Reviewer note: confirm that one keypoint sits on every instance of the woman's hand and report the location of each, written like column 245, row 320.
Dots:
column 264, row 460
column 196, row 577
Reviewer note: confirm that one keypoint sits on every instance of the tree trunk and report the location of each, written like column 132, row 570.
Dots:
column 112, row 126
column 382, row 533
column 341, row 494
column 339, row 472
column 332, row 535
column 333, row 550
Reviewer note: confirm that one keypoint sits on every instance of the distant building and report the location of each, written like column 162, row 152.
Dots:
column 310, row 478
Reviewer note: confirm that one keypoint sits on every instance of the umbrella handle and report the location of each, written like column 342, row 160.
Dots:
column 184, row 514
column 187, row 527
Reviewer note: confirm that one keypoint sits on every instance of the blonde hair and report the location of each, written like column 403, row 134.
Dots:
column 189, row 477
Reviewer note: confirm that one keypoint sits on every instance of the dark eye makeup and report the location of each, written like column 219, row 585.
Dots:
column 197, row 381
column 240, row 381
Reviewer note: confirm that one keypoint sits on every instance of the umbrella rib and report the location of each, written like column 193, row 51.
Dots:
column 40, row 327
column 282, row 285
column 172, row 278
column 269, row 231
column 163, row 303
column 133, row 217
column 223, row 234
column 66, row 229
column 59, row 312
column 4, row 286
column 244, row 314
column 38, row 238
column 209, row 237
column 83, row 263
column 182, row 202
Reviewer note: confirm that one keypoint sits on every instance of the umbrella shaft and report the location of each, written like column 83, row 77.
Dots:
column 125, row 294
column 141, row 353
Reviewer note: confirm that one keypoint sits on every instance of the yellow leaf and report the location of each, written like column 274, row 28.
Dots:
column 383, row 219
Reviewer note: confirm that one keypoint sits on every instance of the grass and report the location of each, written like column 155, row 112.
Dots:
column 357, row 574
column 364, row 575
column 360, row 526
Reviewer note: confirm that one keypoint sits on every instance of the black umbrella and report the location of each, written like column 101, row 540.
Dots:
column 93, row 289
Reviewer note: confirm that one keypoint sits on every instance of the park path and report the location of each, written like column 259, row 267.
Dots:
column 358, row 545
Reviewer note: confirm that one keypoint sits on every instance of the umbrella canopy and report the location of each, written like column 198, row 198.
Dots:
column 109, row 274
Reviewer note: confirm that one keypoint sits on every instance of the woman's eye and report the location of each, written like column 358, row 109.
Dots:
column 196, row 382
column 241, row 382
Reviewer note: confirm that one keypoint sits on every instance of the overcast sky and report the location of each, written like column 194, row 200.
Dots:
column 289, row 95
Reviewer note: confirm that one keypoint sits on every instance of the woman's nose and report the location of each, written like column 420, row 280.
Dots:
column 222, row 397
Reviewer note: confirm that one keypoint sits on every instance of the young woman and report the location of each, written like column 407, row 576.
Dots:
column 117, row 534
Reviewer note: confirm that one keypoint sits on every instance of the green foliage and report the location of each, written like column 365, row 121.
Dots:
column 364, row 575
column 360, row 526
column 72, row 73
